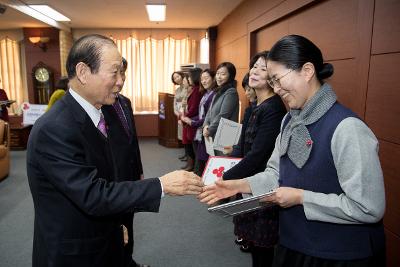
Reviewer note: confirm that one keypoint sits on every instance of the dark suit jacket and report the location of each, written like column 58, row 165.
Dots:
column 77, row 204
column 258, row 138
column 125, row 149
column 126, row 155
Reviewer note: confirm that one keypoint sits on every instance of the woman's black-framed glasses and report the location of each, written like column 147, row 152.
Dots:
column 275, row 82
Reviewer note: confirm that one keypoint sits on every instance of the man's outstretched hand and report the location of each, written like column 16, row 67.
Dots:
column 223, row 189
column 180, row 183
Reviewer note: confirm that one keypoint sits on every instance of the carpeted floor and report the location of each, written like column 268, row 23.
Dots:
column 182, row 234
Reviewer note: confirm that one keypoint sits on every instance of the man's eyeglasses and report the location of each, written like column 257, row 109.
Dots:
column 275, row 82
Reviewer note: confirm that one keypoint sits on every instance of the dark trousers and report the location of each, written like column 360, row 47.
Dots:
column 262, row 257
column 195, row 145
column 127, row 220
column 199, row 168
column 189, row 151
column 285, row 257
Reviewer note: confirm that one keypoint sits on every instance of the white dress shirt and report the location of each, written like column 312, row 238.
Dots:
column 91, row 110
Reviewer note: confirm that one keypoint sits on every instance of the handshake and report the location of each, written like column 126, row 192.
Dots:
column 179, row 183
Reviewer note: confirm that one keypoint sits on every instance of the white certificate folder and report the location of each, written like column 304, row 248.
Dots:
column 242, row 205
column 228, row 134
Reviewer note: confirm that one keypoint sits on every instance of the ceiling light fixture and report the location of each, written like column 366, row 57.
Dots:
column 50, row 12
column 40, row 41
column 156, row 12
column 28, row 10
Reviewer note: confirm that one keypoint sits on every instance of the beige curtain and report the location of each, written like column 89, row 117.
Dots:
column 11, row 72
column 65, row 45
column 150, row 65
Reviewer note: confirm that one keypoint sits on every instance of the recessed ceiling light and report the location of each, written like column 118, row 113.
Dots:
column 50, row 12
column 156, row 12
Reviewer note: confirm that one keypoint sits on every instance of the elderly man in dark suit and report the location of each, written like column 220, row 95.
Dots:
column 125, row 147
column 71, row 172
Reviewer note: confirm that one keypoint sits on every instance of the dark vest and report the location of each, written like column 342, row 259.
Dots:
column 316, row 238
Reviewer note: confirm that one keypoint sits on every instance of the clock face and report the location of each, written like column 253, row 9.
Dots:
column 42, row 75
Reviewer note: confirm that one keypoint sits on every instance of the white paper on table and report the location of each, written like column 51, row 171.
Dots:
column 228, row 134
column 216, row 167
column 209, row 146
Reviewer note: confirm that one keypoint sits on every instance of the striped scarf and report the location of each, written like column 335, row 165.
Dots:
column 295, row 138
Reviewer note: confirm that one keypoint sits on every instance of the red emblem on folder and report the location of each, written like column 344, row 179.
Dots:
column 219, row 172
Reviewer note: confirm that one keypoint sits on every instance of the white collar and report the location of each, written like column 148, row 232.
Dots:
column 93, row 112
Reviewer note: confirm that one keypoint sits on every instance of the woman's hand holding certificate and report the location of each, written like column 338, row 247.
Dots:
column 285, row 197
column 223, row 189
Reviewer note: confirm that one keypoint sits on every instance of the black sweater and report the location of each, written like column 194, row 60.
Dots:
column 258, row 138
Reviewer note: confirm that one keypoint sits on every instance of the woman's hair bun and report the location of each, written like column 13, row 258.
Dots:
column 326, row 71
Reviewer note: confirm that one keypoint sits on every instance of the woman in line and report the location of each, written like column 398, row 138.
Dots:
column 250, row 94
column 226, row 100
column 236, row 150
column 325, row 169
column 258, row 229
column 3, row 108
column 180, row 94
column 191, row 82
column 207, row 85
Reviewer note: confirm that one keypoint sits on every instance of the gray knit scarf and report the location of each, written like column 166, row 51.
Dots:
column 295, row 138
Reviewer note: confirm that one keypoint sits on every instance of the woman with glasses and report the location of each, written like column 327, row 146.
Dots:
column 259, row 229
column 325, row 169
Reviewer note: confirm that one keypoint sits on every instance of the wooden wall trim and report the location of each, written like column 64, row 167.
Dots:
column 277, row 12
column 364, row 28
column 251, row 44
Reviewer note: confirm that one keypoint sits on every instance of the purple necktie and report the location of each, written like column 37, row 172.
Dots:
column 102, row 125
column 118, row 108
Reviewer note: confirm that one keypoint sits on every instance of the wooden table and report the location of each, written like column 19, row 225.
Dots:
column 19, row 136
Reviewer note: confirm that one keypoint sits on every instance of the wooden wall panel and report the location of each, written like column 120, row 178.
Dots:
column 392, row 251
column 278, row 12
column 386, row 27
column 331, row 25
column 364, row 31
column 240, row 72
column 345, row 85
column 146, row 125
column 239, row 58
column 234, row 26
column 233, row 53
column 383, row 109
column 391, row 172
column 223, row 54
column 267, row 37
